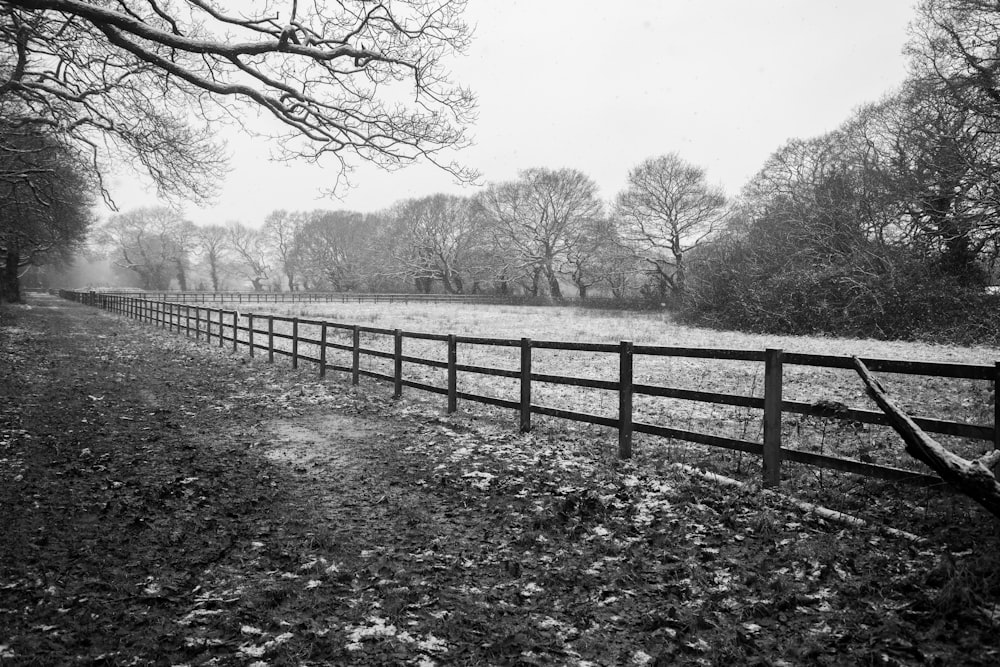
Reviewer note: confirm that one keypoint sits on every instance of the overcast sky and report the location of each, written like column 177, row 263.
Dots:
column 600, row 86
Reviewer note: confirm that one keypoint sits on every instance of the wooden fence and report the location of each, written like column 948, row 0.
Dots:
column 313, row 297
column 596, row 302
column 225, row 327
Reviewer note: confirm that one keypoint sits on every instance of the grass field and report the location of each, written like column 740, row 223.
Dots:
column 967, row 401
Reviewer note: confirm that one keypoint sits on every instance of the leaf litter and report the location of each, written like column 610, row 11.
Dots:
column 214, row 510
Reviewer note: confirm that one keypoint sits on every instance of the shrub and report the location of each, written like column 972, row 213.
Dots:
column 865, row 292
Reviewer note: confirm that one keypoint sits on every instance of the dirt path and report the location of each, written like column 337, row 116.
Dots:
column 167, row 502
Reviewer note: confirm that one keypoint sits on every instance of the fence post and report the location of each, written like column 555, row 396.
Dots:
column 270, row 339
column 222, row 337
column 625, row 400
column 208, row 325
column 397, row 366
column 250, row 333
column 772, row 417
column 295, row 342
column 322, row 350
column 452, row 374
column 355, row 354
column 996, row 405
column 197, row 323
column 236, row 326
column 525, row 385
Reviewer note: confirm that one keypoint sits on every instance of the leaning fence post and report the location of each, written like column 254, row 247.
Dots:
column 625, row 400
column 772, row 417
column 295, row 342
column 322, row 350
column 397, row 366
column 525, row 385
column 452, row 374
column 355, row 354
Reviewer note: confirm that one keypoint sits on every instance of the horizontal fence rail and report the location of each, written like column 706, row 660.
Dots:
column 256, row 333
column 311, row 297
column 249, row 297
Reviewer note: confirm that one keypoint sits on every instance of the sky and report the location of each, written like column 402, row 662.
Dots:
column 600, row 86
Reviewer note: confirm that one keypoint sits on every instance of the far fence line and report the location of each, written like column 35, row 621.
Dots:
column 241, row 297
column 225, row 326
column 314, row 297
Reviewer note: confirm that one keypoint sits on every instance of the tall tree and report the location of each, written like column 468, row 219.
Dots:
column 213, row 242
column 537, row 220
column 151, row 242
column 281, row 229
column 252, row 253
column 595, row 257
column 666, row 210
column 439, row 238
column 45, row 202
column 938, row 173
column 335, row 249
column 956, row 48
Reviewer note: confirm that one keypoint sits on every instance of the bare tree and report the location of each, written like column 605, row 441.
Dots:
column 937, row 167
column 282, row 231
column 151, row 242
column 45, row 202
column 666, row 210
column 441, row 237
column 250, row 248
column 537, row 220
column 956, row 48
column 590, row 260
column 213, row 242
column 335, row 249
column 338, row 78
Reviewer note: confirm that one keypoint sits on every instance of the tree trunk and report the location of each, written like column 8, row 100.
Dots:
column 973, row 478
column 424, row 285
column 181, row 275
column 10, row 282
column 446, row 282
column 213, row 271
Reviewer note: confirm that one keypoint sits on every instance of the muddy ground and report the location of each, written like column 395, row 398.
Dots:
column 163, row 501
